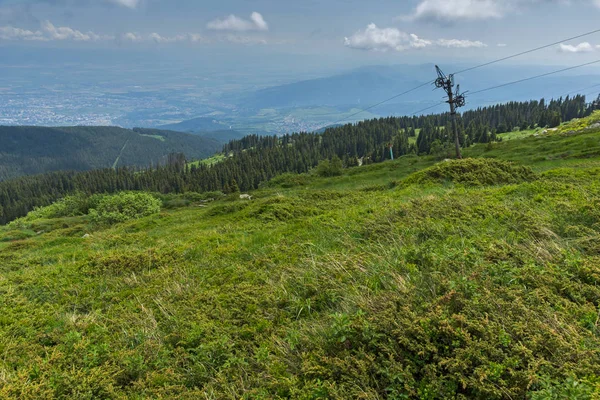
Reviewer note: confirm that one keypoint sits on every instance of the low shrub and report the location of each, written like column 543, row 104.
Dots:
column 473, row 172
column 287, row 180
column 124, row 206
column 120, row 262
column 328, row 168
column 69, row 206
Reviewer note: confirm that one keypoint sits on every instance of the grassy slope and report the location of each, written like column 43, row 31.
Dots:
column 350, row 287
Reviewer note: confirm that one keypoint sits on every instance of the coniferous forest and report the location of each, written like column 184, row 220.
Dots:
column 254, row 159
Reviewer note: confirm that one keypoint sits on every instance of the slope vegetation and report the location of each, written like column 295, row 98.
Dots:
column 386, row 282
column 35, row 150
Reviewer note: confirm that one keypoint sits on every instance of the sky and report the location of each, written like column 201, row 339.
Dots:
column 326, row 33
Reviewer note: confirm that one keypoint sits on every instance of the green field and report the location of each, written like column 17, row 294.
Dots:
column 407, row 279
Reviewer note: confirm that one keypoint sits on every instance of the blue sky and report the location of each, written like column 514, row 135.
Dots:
column 337, row 32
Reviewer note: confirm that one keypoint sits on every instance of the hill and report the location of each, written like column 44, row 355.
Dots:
column 33, row 150
column 404, row 279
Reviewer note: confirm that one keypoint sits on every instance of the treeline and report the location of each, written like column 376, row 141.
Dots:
column 256, row 159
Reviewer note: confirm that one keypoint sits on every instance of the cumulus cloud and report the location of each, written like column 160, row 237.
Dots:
column 11, row 33
column 392, row 39
column 49, row 32
column 384, row 39
column 131, row 37
column 187, row 37
column 459, row 44
column 166, row 39
column 450, row 11
column 584, row 47
column 453, row 10
column 237, row 24
column 65, row 33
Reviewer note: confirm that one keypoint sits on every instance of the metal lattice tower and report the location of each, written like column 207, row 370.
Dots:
column 456, row 99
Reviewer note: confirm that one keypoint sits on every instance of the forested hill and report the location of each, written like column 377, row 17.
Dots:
column 26, row 150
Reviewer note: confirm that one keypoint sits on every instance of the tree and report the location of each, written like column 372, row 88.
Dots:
column 328, row 168
column 554, row 120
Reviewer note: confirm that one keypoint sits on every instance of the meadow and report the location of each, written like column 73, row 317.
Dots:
column 413, row 278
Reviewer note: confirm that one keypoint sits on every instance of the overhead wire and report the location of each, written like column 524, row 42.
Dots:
column 474, row 68
column 526, row 52
column 534, row 77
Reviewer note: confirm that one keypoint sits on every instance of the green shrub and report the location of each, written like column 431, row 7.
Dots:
column 124, row 206
column 197, row 197
column 70, row 206
column 120, row 262
column 328, row 168
column 473, row 172
column 287, row 180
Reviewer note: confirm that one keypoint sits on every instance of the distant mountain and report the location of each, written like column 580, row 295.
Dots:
column 195, row 125
column 360, row 86
column 370, row 85
column 223, row 136
column 27, row 150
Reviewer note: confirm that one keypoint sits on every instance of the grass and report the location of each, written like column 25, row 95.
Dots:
column 217, row 158
column 157, row 137
column 375, row 284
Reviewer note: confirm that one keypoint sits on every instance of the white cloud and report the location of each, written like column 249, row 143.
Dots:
column 167, row 39
column 131, row 37
column 461, row 44
column 49, row 32
column 237, row 24
column 584, row 47
column 10, row 33
column 384, row 39
column 191, row 37
column 126, row 3
column 195, row 38
column 66, row 33
column 392, row 39
column 450, row 11
column 501, row 45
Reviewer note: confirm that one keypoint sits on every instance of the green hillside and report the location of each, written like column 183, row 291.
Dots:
column 413, row 278
column 33, row 150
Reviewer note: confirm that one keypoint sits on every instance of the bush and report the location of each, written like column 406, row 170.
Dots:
column 124, row 207
column 473, row 172
column 69, row 206
column 327, row 168
column 287, row 180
